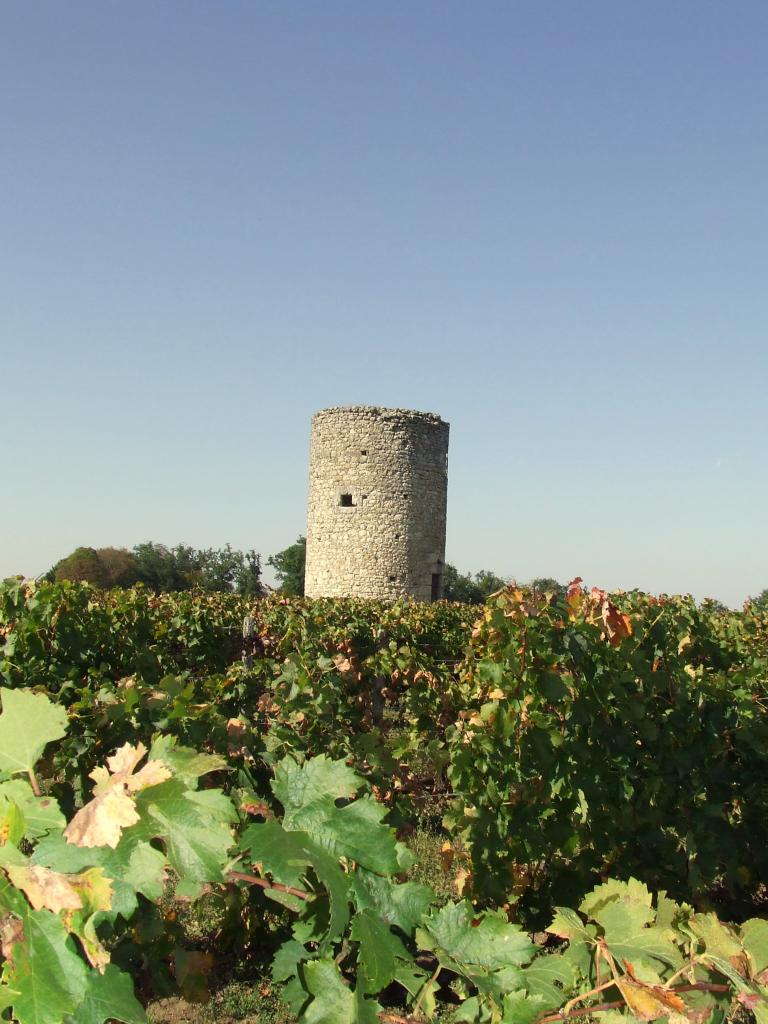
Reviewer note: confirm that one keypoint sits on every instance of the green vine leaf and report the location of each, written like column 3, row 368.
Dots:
column 520, row 1008
column 41, row 813
column 297, row 786
column 194, row 828
column 567, row 924
column 366, row 1010
column 285, row 963
column 402, row 904
column 186, row 764
column 46, row 970
column 309, row 793
column 332, row 1002
column 624, row 911
column 28, row 723
column 550, row 977
column 754, row 938
column 486, row 940
column 716, row 938
column 288, row 855
column 379, row 951
column 633, row 895
column 108, row 996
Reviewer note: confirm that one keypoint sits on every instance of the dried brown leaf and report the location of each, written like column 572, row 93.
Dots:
column 11, row 932
column 463, row 876
column 45, row 888
column 447, row 855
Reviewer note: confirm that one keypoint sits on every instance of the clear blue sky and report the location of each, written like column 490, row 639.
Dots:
column 546, row 221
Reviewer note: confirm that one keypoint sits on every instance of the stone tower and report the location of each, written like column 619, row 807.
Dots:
column 377, row 504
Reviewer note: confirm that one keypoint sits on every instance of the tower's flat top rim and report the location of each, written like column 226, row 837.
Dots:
column 381, row 411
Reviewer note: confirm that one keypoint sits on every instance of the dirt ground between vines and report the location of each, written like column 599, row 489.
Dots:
column 175, row 1011
column 178, row 1011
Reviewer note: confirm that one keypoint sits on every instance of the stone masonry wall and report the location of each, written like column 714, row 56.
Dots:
column 377, row 503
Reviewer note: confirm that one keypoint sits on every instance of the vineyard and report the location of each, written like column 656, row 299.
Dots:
column 592, row 771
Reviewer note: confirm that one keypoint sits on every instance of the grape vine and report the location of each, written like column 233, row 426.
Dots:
column 325, row 852
column 613, row 745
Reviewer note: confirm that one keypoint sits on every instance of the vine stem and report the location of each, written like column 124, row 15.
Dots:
column 34, row 783
column 701, row 986
column 581, row 1012
column 686, row 967
column 425, row 989
column 240, row 876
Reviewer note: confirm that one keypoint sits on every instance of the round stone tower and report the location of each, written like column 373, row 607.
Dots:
column 377, row 504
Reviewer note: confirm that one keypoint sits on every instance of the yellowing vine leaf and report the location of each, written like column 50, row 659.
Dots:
column 95, row 891
column 94, row 888
column 100, row 822
column 45, row 888
column 122, row 764
column 460, row 882
column 686, row 641
column 649, row 1002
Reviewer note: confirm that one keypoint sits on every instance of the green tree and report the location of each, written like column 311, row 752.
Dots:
column 488, row 583
column 248, row 580
column 217, row 569
column 467, row 588
column 119, row 565
column 760, row 602
column 183, row 567
column 289, row 567
column 103, row 567
column 547, row 585
column 459, row 586
column 84, row 565
column 164, row 569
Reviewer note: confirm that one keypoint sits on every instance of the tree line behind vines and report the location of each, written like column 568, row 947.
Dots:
column 171, row 569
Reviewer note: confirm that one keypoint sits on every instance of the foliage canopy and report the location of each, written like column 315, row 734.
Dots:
column 289, row 565
column 163, row 569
